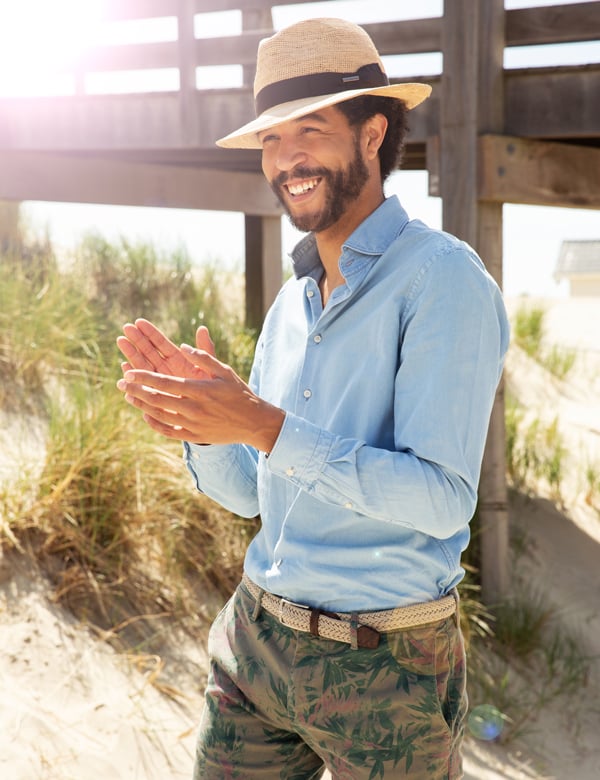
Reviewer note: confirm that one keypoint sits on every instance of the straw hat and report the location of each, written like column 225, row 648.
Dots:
column 312, row 65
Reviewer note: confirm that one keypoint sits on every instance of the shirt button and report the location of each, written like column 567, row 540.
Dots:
column 310, row 293
column 348, row 505
column 290, row 471
column 317, row 339
column 307, row 393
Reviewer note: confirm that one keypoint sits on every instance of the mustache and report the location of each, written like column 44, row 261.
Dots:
column 301, row 172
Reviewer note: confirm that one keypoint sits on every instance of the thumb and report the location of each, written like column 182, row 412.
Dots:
column 205, row 362
column 204, row 341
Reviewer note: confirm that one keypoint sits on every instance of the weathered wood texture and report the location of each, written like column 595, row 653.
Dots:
column 80, row 179
column 472, row 101
column 263, row 266
column 524, row 27
column 538, row 172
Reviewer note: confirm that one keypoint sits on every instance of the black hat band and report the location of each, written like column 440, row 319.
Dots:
column 315, row 84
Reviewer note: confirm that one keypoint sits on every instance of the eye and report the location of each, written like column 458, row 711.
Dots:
column 267, row 139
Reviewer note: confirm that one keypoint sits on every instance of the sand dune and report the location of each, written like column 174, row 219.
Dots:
column 71, row 708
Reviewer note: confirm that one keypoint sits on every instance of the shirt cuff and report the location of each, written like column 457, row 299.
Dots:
column 300, row 452
column 206, row 454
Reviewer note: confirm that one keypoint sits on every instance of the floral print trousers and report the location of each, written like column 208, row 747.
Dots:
column 284, row 704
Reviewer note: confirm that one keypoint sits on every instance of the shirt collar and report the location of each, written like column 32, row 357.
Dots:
column 372, row 237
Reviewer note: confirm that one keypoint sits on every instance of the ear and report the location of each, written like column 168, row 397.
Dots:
column 374, row 130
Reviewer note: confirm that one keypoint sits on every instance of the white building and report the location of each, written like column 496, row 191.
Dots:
column 579, row 262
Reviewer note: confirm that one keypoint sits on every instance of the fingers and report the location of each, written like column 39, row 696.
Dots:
column 134, row 357
column 206, row 362
column 204, row 341
column 155, row 338
column 152, row 386
column 148, row 349
column 171, row 431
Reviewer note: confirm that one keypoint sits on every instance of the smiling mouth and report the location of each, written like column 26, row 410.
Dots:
column 301, row 187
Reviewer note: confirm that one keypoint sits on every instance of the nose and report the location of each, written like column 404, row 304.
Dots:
column 289, row 154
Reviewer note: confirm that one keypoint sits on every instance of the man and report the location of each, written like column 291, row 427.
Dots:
column 358, row 440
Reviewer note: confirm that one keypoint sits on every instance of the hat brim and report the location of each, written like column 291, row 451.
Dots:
column 247, row 136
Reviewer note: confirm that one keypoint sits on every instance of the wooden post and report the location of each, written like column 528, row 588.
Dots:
column 187, row 71
column 263, row 266
column 263, row 234
column 472, row 103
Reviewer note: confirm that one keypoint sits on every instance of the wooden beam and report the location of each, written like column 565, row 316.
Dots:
column 544, row 173
column 553, row 102
column 553, row 24
column 72, row 179
column 409, row 37
column 151, row 122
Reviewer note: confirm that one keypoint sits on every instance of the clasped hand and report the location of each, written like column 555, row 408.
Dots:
column 186, row 393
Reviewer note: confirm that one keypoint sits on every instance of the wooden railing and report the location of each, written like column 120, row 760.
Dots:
column 524, row 27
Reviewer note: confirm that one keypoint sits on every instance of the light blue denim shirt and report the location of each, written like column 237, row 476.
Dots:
column 366, row 497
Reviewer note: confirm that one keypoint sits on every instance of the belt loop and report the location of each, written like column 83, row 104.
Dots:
column 456, row 595
column 257, row 606
column 354, row 631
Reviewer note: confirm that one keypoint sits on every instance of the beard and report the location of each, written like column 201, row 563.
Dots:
column 341, row 188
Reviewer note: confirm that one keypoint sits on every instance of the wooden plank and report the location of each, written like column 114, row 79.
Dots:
column 545, row 173
column 553, row 102
column 72, row 179
column 524, row 26
column 553, row 24
column 410, row 37
column 151, row 122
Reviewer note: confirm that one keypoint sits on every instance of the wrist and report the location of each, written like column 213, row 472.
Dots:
column 268, row 428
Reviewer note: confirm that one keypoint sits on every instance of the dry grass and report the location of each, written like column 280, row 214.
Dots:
column 127, row 542
column 130, row 547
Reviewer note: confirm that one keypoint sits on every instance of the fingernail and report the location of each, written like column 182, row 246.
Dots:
column 187, row 348
column 128, row 376
column 121, row 384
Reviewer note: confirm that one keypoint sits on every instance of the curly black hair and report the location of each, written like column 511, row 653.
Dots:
column 359, row 109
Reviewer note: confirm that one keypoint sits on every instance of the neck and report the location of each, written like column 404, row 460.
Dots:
column 330, row 241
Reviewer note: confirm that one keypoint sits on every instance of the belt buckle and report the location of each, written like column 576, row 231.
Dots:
column 287, row 603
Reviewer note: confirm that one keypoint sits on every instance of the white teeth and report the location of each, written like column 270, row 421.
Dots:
column 305, row 186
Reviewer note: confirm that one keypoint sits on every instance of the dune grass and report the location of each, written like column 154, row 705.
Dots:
column 112, row 516
column 528, row 328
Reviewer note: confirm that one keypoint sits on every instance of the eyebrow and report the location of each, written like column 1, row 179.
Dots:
column 314, row 117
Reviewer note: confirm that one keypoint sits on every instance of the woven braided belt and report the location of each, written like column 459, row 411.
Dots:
column 359, row 629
